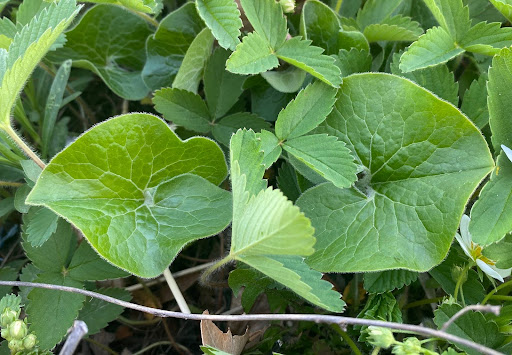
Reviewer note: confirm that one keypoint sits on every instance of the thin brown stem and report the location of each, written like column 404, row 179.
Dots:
column 317, row 318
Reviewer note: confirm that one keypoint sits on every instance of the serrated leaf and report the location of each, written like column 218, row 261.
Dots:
column 384, row 281
column 294, row 273
column 127, row 184
column 268, row 232
column 353, row 61
column 491, row 213
column 474, row 104
column 434, row 47
column 97, row 313
column 503, row 6
column 266, row 17
column 414, row 158
column 191, row 70
column 309, row 58
column 501, row 252
column 270, row 146
column 227, row 126
column 470, row 325
column 12, row 301
column 452, row 15
column 40, row 224
column 6, row 274
column 27, row 49
column 487, row 38
column 55, row 254
column 221, row 88
column 87, row 265
column 306, row 111
column 326, row 155
column 396, row 28
column 146, row 6
column 376, row 11
column 320, row 24
column 115, row 49
column 183, row 108
column 382, row 307
column 166, row 48
column 438, row 79
column 254, row 55
column 223, row 19
column 254, row 283
column 52, row 312
column 289, row 80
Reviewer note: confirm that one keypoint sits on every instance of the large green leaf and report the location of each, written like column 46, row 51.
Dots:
column 52, row 312
column 127, row 184
column 223, row 19
column 27, row 49
column 326, row 155
column 269, row 233
column 309, row 58
column 491, row 214
column 320, row 24
column 470, row 325
column 436, row 46
column 115, row 48
column 417, row 150
column 306, row 111
column 266, row 17
column 167, row 47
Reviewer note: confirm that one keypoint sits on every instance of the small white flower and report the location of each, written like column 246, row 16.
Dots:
column 474, row 251
column 507, row 151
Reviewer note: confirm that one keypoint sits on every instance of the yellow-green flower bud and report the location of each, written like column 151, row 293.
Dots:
column 7, row 317
column 380, row 337
column 5, row 334
column 288, row 6
column 410, row 346
column 30, row 341
column 18, row 329
column 15, row 345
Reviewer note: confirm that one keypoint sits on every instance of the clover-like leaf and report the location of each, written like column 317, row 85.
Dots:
column 417, row 150
column 137, row 192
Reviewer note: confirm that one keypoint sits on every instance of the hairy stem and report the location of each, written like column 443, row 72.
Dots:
column 26, row 149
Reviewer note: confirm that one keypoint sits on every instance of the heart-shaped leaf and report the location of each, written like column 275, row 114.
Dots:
column 137, row 192
column 423, row 160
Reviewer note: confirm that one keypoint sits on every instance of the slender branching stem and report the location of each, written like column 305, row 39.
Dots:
column 176, row 292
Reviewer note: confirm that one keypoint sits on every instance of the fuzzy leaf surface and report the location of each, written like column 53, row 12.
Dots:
column 27, row 49
column 137, row 192
column 223, row 19
column 254, row 55
column 309, row 58
column 416, row 150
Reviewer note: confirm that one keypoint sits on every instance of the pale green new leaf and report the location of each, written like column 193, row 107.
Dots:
column 487, row 38
column 396, row 28
column 191, row 70
column 52, row 312
column 309, row 58
column 289, row 80
column 271, row 148
column 40, row 224
column 504, row 6
column 137, row 192
column 223, row 19
column 146, row 6
column 306, row 111
column 294, row 273
column 417, row 150
column 27, row 49
column 266, row 17
column 115, row 49
column 183, row 108
column 452, row 15
column 435, row 47
column 12, row 301
column 254, row 55
column 326, row 155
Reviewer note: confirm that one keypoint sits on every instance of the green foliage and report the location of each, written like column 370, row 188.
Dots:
column 223, row 19
column 152, row 197
column 379, row 282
